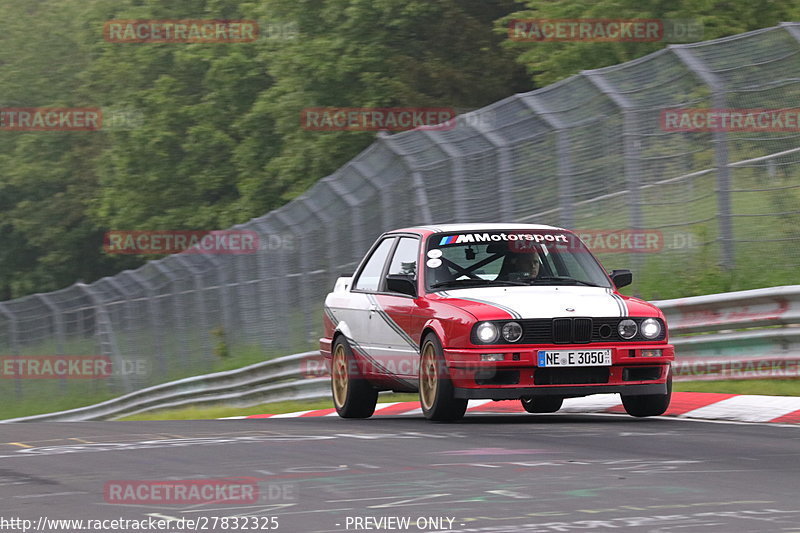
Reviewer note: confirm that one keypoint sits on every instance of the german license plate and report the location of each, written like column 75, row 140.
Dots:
column 574, row 358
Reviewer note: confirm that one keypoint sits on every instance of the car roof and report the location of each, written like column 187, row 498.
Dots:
column 448, row 228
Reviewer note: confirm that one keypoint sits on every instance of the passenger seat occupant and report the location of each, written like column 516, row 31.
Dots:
column 441, row 274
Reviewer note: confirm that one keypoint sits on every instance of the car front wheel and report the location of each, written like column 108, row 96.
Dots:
column 648, row 404
column 436, row 392
column 353, row 396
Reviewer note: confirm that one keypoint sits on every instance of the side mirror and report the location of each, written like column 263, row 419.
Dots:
column 402, row 284
column 621, row 278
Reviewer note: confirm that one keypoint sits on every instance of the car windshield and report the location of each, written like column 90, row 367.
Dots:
column 519, row 257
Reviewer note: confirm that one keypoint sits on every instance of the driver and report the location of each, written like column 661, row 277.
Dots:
column 520, row 266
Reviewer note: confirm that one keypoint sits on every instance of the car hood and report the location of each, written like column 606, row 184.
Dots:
column 488, row 303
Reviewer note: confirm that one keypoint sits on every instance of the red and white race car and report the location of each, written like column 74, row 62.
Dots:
column 491, row 311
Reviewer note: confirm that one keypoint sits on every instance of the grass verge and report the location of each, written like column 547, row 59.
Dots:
column 767, row 387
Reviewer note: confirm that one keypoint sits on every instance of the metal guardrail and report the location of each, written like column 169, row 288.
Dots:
column 271, row 381
column 737, row 335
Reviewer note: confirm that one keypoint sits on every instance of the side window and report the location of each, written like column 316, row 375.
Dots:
column 405, row 257
column 370, row 277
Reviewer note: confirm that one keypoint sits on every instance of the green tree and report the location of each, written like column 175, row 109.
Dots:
column 364, row 53
column 548, row 62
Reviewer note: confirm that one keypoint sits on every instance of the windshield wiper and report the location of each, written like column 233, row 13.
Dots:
column 456, row 282
column 565, row 279
column 459, row 282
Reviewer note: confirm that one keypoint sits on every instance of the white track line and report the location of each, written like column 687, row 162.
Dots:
column 599, row 402
column 750, row 408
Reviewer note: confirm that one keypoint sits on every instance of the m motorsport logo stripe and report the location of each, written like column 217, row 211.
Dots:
column 355, row 346
column 330, row 315
column 508, row 310
column 391, row 323
column 623, row 309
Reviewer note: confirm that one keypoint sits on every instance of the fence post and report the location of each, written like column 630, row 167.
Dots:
column 198, row 297
column 13, row 341
column 59, row 331
column 422, row 205
column 12, row 329
column 456, row 171
column 504, row 167
column 57, row 322
column 385, row 201
column 793, row 28
column 566, row 190
column 304, row 289
column 155, row 331
column 105, row 334
column 718, row 101
column 276, row 301
column 633, row 170
column 226, row 306
column 328, row 222
column 178, row 326
column 357, row 229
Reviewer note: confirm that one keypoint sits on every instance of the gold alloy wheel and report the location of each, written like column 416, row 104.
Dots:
column 339, row 375
column 427, row 376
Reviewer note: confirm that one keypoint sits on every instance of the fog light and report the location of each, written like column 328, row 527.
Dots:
column 492, row 357
column 651, row 353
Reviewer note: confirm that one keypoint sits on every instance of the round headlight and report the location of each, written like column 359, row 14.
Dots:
column 627, row 328
column 512, row 331
column 486, row 332
column 651, row 328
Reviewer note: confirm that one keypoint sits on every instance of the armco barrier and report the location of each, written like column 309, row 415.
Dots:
column 270, row 381
column 737, row 335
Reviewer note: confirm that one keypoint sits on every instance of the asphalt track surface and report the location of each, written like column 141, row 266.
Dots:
column 488, row 473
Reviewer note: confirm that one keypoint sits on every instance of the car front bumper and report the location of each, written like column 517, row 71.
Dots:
column 563, row 391
column 518, row 374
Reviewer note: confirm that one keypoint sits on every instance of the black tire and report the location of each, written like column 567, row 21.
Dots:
column 353, row 396
column 542, row 404
column 648, row 404
column 436, row 392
